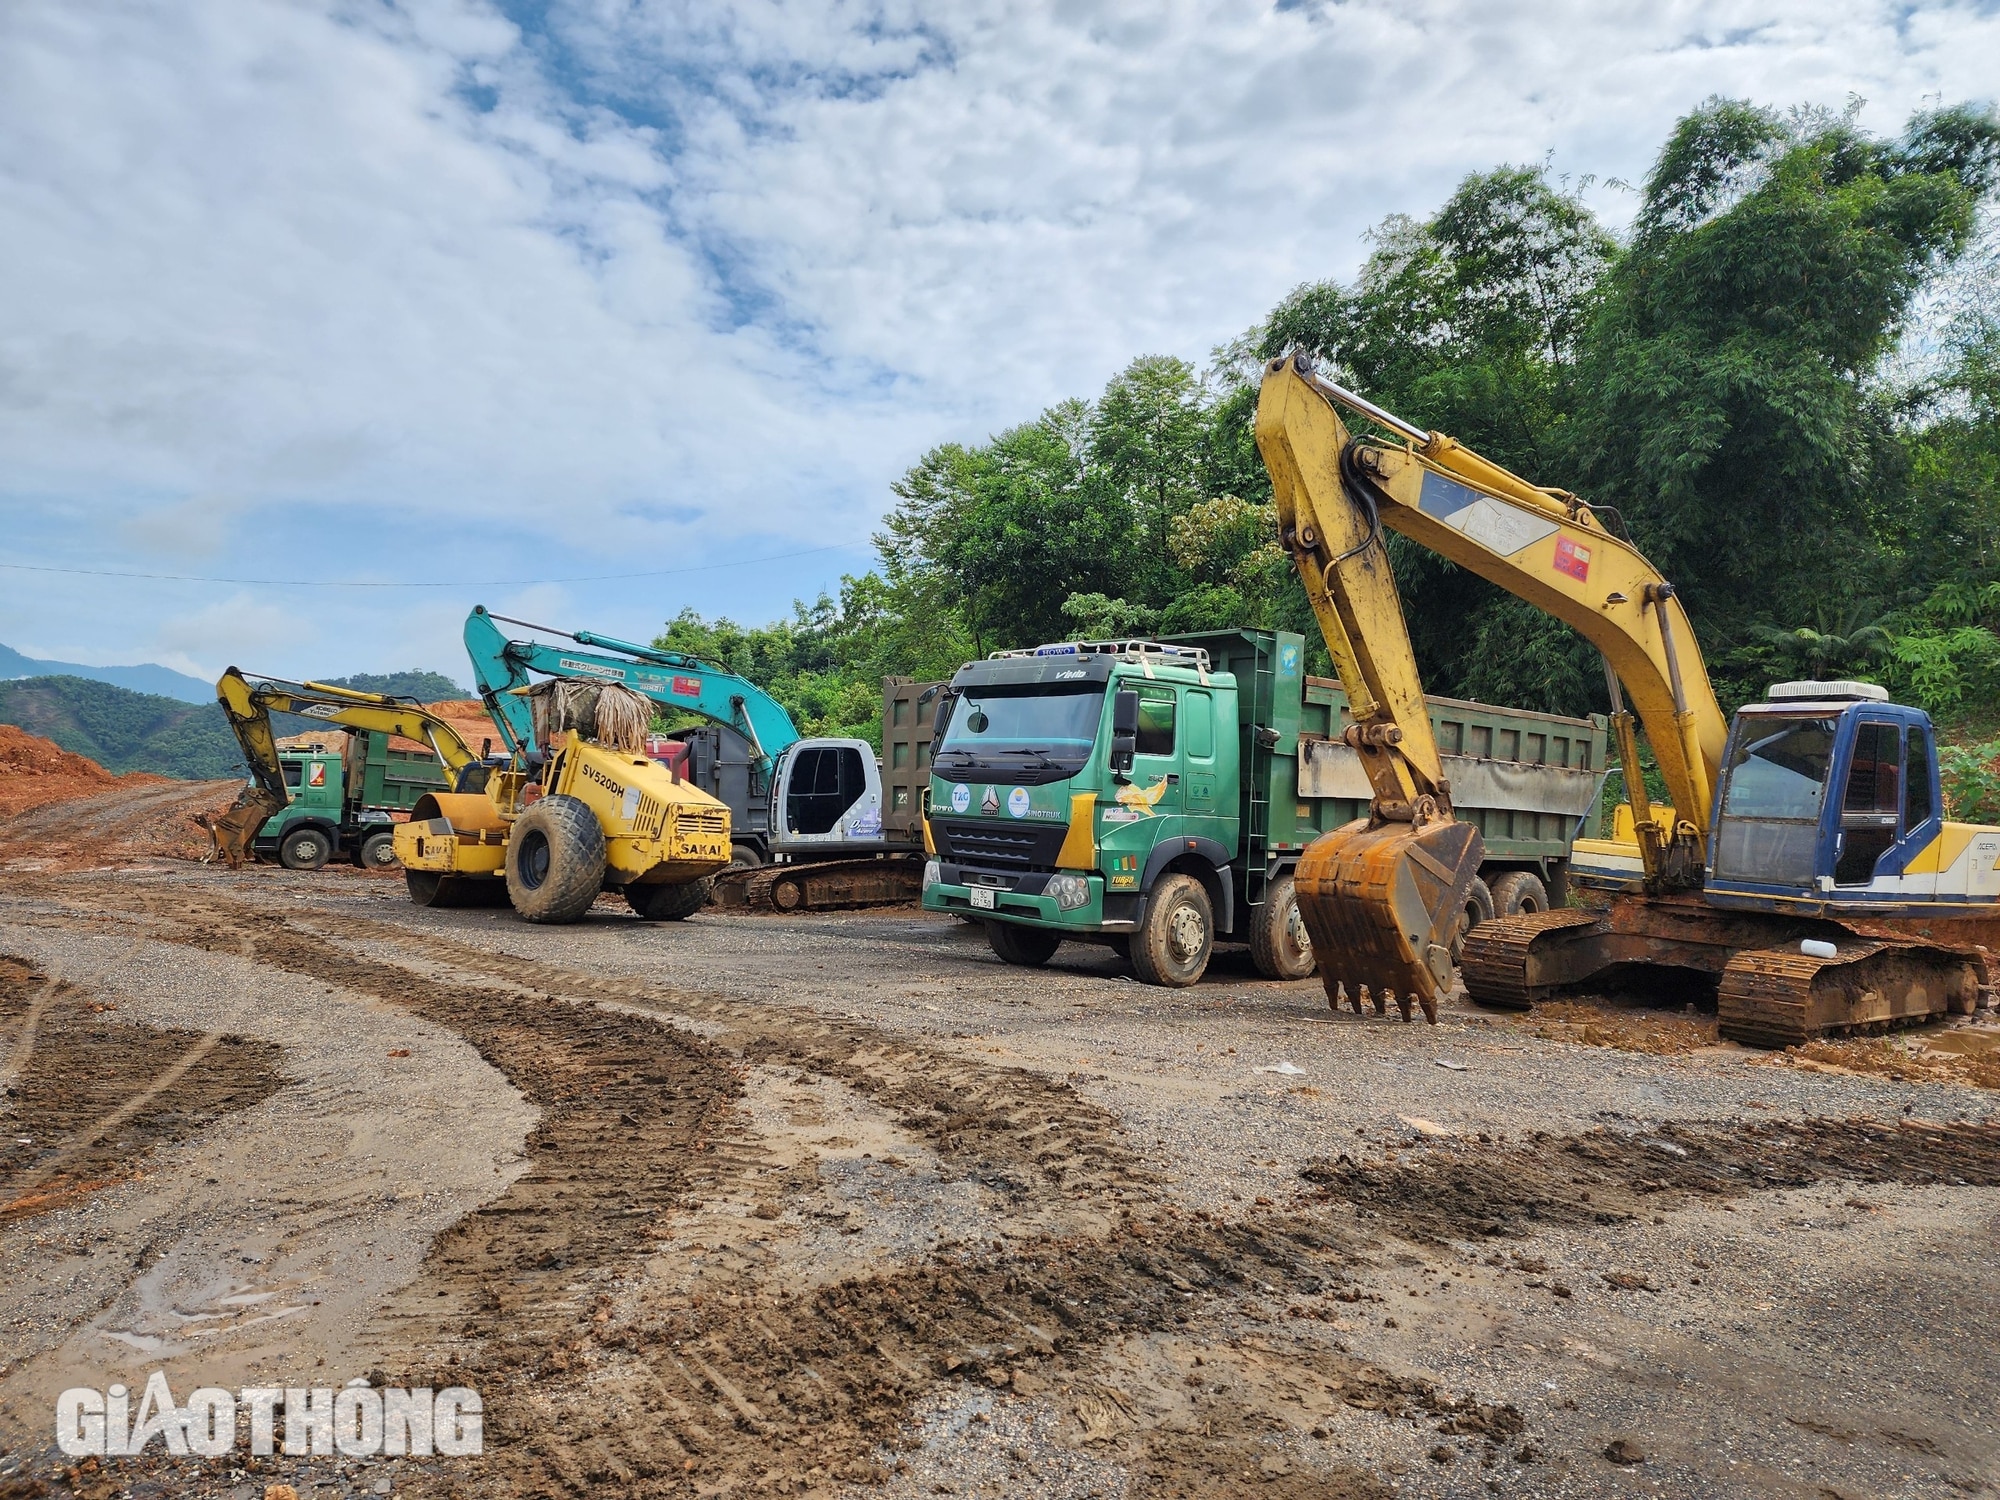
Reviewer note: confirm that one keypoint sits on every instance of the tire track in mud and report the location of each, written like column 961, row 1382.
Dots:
column 746, row 1386
column 1015, row 1130
column 1466, row 1191
column 73, row 1078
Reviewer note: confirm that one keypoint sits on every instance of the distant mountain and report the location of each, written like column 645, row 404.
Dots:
column 425, row 687
column 149, row 678
column 126, row 731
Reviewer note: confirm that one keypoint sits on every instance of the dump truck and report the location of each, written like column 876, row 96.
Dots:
column 1157, row 795
column 346, row 799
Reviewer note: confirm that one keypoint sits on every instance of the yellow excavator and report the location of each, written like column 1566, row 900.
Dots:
column 543, row 833
column 1804, row 871
column 249, row 706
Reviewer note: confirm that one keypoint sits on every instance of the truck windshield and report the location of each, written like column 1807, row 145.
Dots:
column 990, row 724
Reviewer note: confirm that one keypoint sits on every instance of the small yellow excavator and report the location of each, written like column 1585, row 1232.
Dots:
column 249, row 707
column 1805, row 871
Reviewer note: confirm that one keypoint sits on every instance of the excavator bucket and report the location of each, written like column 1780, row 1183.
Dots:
column 1382, row 902
column 234, row 829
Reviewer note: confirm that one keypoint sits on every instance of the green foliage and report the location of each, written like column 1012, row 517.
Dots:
column 1722, row 385
column 1971, row 778
column 122, row 730
column 425, row 687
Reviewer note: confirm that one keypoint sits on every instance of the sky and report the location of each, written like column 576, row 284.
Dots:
column 506, row 303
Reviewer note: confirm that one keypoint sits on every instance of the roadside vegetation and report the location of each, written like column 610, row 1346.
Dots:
column 1783, row 380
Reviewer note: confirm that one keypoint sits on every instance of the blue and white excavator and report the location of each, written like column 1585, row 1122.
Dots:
column 807, row 818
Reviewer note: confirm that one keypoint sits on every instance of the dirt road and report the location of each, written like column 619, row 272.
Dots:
column 840, row 1205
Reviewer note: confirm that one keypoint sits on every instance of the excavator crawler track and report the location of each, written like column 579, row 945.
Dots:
column 1495, row 964
column 1781, row 997
column 833, row 885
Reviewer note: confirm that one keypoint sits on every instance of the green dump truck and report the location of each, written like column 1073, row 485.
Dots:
column 1156, row 796
column 346, row 799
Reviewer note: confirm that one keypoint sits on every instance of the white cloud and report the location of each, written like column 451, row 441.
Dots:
column 414, row 289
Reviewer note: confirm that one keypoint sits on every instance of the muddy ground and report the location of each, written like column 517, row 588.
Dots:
column 839, row 1205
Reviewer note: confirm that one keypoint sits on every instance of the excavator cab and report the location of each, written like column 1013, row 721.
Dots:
column 1829, row 794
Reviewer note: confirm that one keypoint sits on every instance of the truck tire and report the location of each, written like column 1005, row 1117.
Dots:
column 305, row 849
column 745, row 857
column 1478, row 908
column 377, row 851
column 1023, row 947
column 1172, row 945
column 1519, row 891
column 555, row 860
column 670, row 903
column 1279, row 944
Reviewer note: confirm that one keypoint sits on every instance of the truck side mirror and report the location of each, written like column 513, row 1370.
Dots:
column 1124, row 729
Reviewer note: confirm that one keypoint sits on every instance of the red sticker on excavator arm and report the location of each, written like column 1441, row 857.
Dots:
column 687, row 687
column 1573, row 560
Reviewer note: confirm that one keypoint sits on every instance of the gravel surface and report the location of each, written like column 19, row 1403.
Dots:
column 933, row 1225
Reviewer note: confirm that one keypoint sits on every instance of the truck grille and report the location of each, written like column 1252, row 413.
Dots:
column 998, row 846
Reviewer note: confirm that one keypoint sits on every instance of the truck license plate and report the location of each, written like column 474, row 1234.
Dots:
column 982, row 898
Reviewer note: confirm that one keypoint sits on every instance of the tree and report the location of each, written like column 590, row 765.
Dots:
column 1726, row 407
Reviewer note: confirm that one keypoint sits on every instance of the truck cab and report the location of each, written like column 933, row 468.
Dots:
column 1830, row 804
column 308, row 832
column 1073, row 782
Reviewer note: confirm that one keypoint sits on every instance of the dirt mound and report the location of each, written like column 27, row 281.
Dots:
column 35, row 772
column 1477, row 1190
column 469, row 718
column 136, row 818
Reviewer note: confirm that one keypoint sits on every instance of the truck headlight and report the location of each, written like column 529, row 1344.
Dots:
column 1069, row 891
column 931, row 873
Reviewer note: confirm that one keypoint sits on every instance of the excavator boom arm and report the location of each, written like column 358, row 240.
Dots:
column 669, row 678
column 1540, row 545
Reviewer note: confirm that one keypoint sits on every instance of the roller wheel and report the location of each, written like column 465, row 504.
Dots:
column 670, row 903
column 1519, row 892
column 1023, row 947
column 555, row 860
column 788, row 893
column 1478, row 908
column 1172, row 945
column 1279, row 946
column 377, row 852
column 429, row 888
column 305, row 849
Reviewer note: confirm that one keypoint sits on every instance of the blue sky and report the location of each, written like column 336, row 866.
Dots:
column 452, row 291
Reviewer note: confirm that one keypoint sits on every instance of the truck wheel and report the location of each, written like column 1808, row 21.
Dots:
column 555, row 860
column 745, row 857
column 1478, row 908
column 1172, row 945
column 670, row 903
column 1279, row 945
column 378, row 851
column 1023, row 947
column 305, row 849
column 1519, row 891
